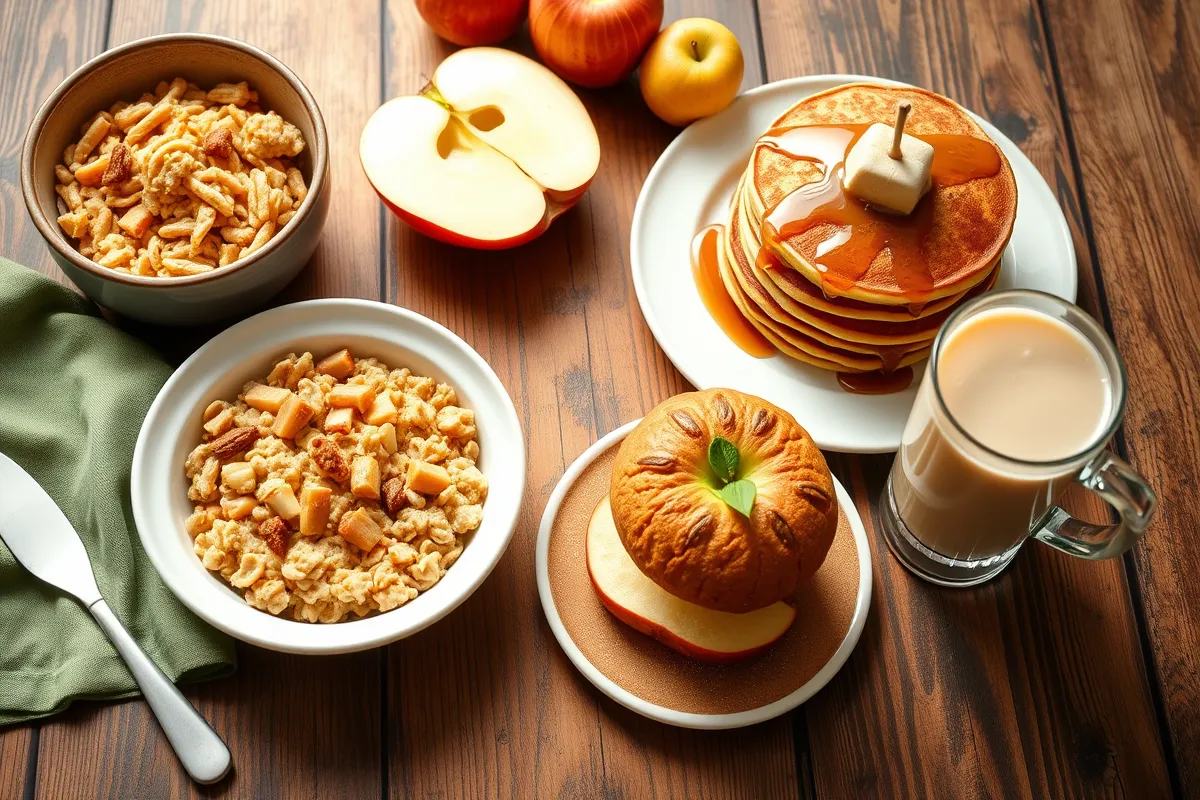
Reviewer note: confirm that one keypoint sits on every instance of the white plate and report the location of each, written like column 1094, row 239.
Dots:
column 690, row 187
column 247, row 351
column 670, row 716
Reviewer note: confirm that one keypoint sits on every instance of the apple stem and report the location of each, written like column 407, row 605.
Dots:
column 696, row 49
column 433, row 94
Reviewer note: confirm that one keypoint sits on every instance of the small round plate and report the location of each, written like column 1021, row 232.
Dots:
column 690, row 187
column 661, row 713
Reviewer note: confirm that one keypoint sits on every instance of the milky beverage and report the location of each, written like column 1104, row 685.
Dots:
column 1026, row 386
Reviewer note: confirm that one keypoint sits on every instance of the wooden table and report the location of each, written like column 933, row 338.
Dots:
column 1061, row 678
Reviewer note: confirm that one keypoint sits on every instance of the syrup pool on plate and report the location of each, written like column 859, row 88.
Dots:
column 706, row 270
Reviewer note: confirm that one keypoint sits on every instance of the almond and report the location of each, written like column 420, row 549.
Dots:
column 230, row 443
column 274, row 532
column 329, row 459
column 393, row 496
column 219, row 143
column 120, row 166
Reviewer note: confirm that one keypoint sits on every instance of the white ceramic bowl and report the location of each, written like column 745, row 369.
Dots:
column 399, row 338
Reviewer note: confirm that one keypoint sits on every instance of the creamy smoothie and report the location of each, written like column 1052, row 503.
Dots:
column 1024, row 385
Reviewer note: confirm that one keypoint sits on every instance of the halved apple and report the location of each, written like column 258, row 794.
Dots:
column 642, row 604
column 490, row 152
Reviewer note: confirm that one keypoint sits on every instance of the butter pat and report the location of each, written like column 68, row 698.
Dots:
column 895, row 184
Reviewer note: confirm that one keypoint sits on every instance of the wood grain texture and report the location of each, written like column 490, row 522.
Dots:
column 298, row 727
column 1034, row 685
column 1130, row 73
column 984, row 692
column 485, row 704
column 15, row 758
column 35, row 56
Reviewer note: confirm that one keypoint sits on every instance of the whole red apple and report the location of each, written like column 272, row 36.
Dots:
column 473, row 22
column 593, row 42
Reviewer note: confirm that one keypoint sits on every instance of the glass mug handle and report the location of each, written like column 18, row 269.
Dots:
column 1124, row 489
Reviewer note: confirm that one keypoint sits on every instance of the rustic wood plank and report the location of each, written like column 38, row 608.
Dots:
column 297, row 727
column 1129, row 73
column 559, row 322
column 1033, row 684
column 15, row 745
column 34, row 58
column 40, row 44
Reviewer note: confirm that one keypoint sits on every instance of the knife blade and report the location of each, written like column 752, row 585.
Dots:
column 42, row 538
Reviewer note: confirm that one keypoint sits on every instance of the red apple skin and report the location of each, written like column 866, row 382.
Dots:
column 591, row 44
column 470, row 24
column 665, row 636
column 554, row 208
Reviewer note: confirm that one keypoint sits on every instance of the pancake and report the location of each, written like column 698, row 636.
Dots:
column 860, row 336
column 799, row 345
column 786, row 280
column 758, row 285
column 969, row 223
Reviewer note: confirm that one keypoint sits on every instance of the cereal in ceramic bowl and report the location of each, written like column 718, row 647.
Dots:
column 180, row 181
column 334, row 488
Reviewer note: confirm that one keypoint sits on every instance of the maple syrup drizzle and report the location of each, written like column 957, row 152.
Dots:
column 707, row 274
column 878, row 382
column 862, row 232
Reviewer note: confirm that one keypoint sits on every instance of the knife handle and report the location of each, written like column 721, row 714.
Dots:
column 199, row 748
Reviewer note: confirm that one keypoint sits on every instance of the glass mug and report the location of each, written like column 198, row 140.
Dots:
column 955, row 511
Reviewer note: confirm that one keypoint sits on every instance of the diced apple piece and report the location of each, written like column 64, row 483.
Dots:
column 314, row 509
column 339, row 420
column 282, row 500
column 340, row 365
column 364, row 477
column 267, row 398
column 351, row 395
column 381, row 411
column 239, row 477
column 387, row 435
column 91, row 174
column 359, row 529
column 425, row 478
column 294, row 414
column 238, row 507
column 136, row 221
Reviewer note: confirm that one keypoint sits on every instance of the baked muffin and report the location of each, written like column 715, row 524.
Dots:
column 686, row 538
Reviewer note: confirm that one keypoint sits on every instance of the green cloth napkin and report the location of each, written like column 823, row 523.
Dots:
column 73, row 393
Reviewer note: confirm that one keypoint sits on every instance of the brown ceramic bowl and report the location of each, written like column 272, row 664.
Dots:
column 125, row 73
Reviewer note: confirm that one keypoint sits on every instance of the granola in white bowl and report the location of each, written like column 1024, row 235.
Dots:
column 336, row 488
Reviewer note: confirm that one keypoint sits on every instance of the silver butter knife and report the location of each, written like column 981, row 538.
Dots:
column 42, row 539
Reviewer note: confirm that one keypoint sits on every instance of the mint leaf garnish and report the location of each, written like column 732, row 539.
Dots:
column 723, row 458
column 739, row 496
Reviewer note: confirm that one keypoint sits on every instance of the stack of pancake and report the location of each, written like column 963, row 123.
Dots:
column 878, row 321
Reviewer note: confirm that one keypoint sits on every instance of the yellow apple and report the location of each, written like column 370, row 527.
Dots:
column 692, row 70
